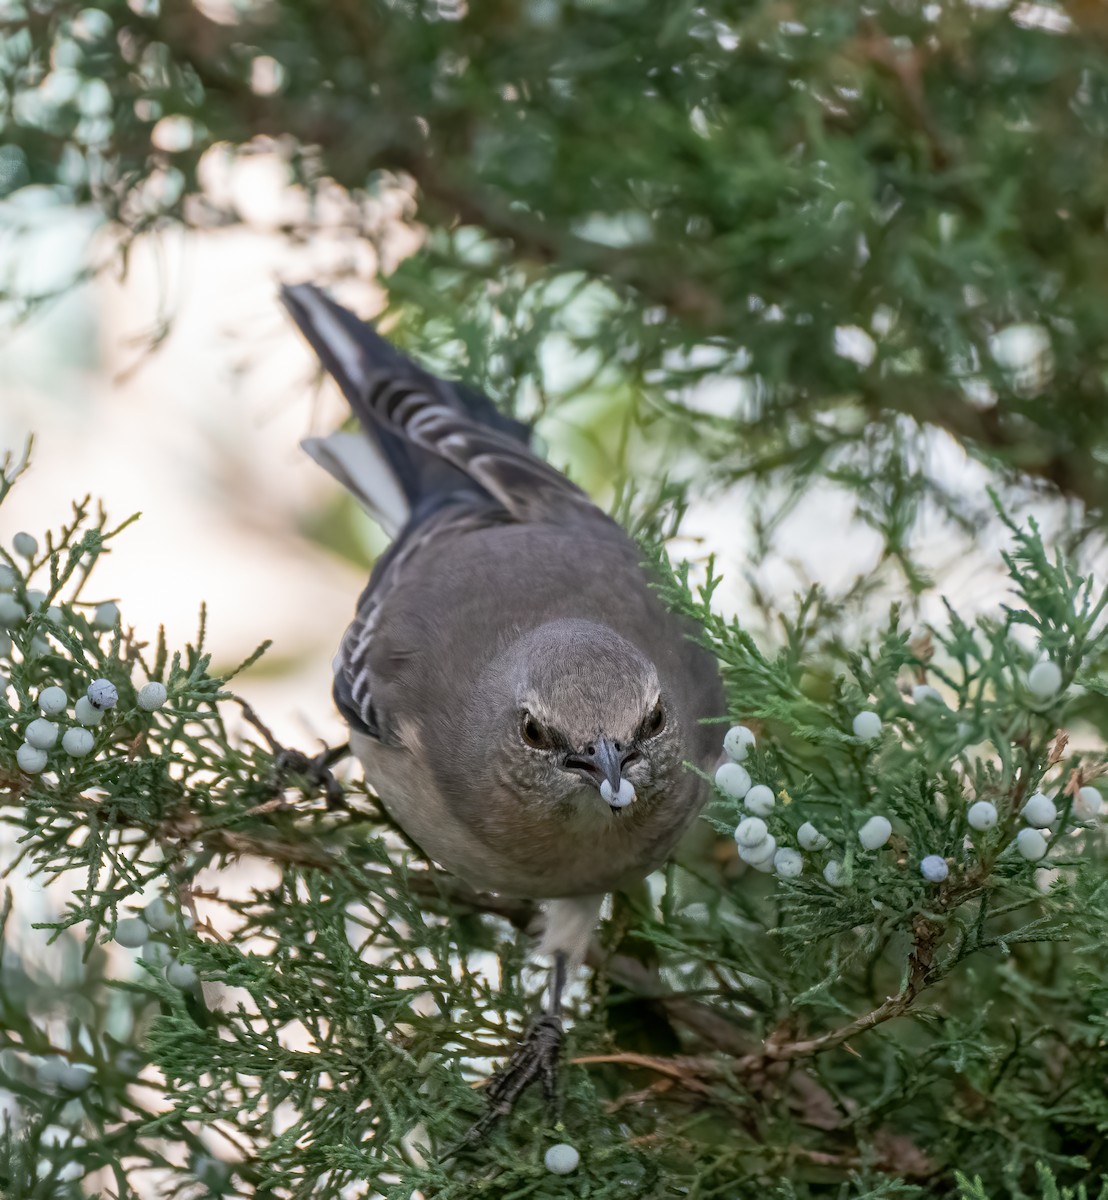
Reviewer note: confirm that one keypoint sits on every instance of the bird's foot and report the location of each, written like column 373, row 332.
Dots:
column 535, row 1058
column 316, row 771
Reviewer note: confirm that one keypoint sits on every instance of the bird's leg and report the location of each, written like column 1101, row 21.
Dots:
column 535, row 1058
column 316, row 770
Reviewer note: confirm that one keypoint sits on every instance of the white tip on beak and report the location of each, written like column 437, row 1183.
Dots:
column 620, row 799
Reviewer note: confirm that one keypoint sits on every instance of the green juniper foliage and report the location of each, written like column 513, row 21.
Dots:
column 886, row 1036
column 737, row 251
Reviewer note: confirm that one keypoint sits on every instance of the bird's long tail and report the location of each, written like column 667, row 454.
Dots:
column 421, row 435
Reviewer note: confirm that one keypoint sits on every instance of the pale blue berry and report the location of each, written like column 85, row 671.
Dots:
column 153, row 695
column 982, row 815
column 924, row 693
column 620, row 799
column 759, row 800
column 181, row 975
column 1031, row 844
column 131, row 932
column 35, row 599
column 128, row 1062
column 751, row 831
column 834, row 873
column 86, row 712
column 788, row 863
column 11, row 611
column 933, row 868
column 51, row 1072
column 41, row 734
column 1044, row 680
column 106, row 616
column 102, row 693
column 733, row 780
column 761, row 855
column 158, row 915
column 52, row 700
column 25, row 545
column 7, row 578
column 77, row 742
column 875, row 832
column 68, row 1077
column 75, row 1078
column 1045, row 878
column 867, row 726
column 210, row 1171
column 1088, row 804
column 738, row 741
column 31, row 759
column 1039, row 811
column 810, row 837
column 157, row 954
column 562, row 1159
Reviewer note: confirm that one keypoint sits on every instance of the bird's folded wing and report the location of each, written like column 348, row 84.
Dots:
column 368, row 677
column 505, row 469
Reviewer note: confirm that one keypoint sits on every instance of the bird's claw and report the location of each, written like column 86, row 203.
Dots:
column 316, row 770
column 535, row 1058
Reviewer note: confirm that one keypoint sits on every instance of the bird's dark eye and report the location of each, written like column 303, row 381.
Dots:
column 537, row 737
column 656, row 722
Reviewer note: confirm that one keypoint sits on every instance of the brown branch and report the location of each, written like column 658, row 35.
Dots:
column 646, row 1095
column 920, row 961
column 681, row 1068
column 906, row 68
column 299, row 854
column 449, row 201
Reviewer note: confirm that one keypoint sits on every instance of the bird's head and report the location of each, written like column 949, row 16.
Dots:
column 583, row 720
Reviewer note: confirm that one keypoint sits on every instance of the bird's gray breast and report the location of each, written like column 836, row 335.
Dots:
column 446, row 615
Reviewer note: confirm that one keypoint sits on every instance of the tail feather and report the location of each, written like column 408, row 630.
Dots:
column 362, row 468
column 432, row 436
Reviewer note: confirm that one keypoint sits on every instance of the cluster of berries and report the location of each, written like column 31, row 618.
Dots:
column 757, row 846
column 759, row 849
column 13, row 610
column 42, row 734
column 135, row 933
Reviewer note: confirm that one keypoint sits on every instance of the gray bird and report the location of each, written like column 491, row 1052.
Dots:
column 520, row 700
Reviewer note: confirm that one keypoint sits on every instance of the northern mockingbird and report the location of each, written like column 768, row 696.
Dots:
column 521, row 701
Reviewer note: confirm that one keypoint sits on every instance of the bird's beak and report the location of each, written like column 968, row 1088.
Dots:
column 608, row 765
column 602, row 763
